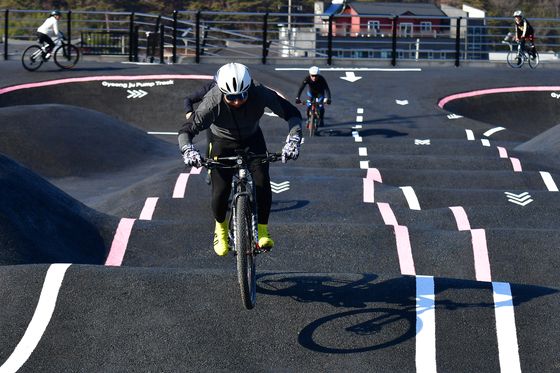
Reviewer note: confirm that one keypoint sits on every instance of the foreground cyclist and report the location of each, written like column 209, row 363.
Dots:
column 232, row 110
column 318, row 88
column 49, row 27
column 524, row 32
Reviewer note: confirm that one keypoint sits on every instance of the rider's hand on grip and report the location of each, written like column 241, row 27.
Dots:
column 327, row 101
column 298, row 101
column 291, row 148
column 191, row 156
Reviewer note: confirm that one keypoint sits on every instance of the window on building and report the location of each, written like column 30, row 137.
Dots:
column 405, row 30
column 373, row 27
column 426, row 26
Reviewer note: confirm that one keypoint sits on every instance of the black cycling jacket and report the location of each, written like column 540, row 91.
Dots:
column 318, row 88
column 197, row 96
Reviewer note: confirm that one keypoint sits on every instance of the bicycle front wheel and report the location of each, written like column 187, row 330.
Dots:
column 312, row 124
column 533, row 62
column 66, row 56
column 245, row 254
column 32, row 58
column 514, row 59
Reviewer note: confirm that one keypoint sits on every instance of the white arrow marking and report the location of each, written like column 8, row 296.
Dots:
column 351, row 77
column 422, row 142
column 492, row 131
column 136, row 93
column 522, row 199
column 280, row 187
column 454, row 116
column 402, row 102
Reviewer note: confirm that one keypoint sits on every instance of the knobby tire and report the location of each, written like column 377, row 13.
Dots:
column 245, row 253
column 512, row 59
column 534, row 63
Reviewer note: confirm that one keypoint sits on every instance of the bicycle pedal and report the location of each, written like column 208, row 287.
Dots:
column 262, row 250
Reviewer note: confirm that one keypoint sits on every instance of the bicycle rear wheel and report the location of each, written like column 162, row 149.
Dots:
column 32, row 58
column 534, row 62
column 514, row 59
column 246, row 269
column 66, row 56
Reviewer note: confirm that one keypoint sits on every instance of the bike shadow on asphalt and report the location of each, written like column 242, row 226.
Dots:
column 278, row 206
column 377, row 313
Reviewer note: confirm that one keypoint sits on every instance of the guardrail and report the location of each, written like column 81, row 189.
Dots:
column 200, row 36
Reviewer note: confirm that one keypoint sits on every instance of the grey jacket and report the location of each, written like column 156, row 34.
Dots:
column 238, row 124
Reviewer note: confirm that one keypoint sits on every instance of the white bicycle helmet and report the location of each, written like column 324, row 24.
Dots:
column 233, row 79
column 518, row 13
column 313, row 70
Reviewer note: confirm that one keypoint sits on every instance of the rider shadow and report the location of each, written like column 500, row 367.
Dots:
column 346, row 132
column 378, row 313
column 278, row 206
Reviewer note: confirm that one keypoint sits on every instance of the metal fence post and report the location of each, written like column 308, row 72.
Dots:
column 329, row 41
column 265, row 36
column 174, row 53
column 394, row 47
column 136, row 42
column 6, row 29
column 197, row 32
column 131, row 38
column 69, row 26
column 161, row 42
column 458, row 42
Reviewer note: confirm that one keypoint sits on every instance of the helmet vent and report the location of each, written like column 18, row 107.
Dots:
column 234, row 85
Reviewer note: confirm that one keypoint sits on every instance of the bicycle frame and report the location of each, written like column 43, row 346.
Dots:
column 242, row 185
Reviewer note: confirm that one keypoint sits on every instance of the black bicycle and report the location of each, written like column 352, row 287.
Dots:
column 66, row 55
column 314, row 106
column 243, row 229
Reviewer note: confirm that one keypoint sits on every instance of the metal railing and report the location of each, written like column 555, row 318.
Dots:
column 200, row 36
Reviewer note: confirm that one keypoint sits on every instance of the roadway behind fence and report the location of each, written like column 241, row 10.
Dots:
column 189, row 36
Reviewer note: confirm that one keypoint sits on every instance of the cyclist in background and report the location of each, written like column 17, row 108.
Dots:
column 524, row 32
column 49, row 27
column 318, row 88
column 232, row 110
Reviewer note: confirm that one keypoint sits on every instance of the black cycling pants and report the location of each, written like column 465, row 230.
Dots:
column 43, row 38
column 221, row 178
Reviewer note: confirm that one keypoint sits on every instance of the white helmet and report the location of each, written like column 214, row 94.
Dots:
column 518, row 13
column 233, row 78
column 313, row 70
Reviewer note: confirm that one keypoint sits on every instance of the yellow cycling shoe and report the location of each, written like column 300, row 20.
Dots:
column 265, row 242
column 221, row 238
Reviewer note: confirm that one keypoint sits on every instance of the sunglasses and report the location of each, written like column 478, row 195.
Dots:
column 237, row 96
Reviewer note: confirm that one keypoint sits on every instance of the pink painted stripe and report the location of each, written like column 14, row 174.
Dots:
column 181, row 186
column 516, row 164
column 458, row 96
column 461, row 218
column 120, row 242
column 149, row 208
column 369, row 191
column 102, row 77
column 387, row 213
column 374, row 174
column 404, row 250
column 503, row 152
column 196, row 170
column 481, row 259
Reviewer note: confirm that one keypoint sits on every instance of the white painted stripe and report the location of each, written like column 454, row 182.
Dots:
column 470, row 135
column 358, row 139
column 149, row 208
column 505, row 328
column 492, row 131
column 411, row 198
column 362, row 151
column 549, row 181
column 40, row 320
column 359, row 118
column 485, row 142
column 364, row 165
column 163, row 133
column 360, row 110
column 181, row 186
column 357, row 127
column 425, row 325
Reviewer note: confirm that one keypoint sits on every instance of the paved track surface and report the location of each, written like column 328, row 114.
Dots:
column 412, row 237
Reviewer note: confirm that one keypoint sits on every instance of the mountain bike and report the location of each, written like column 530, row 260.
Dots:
column 243, row 229
column 314, row 105
column 66, row 55
column 517, row 56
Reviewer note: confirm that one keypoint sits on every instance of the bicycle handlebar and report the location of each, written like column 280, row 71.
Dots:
column 240, row 160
